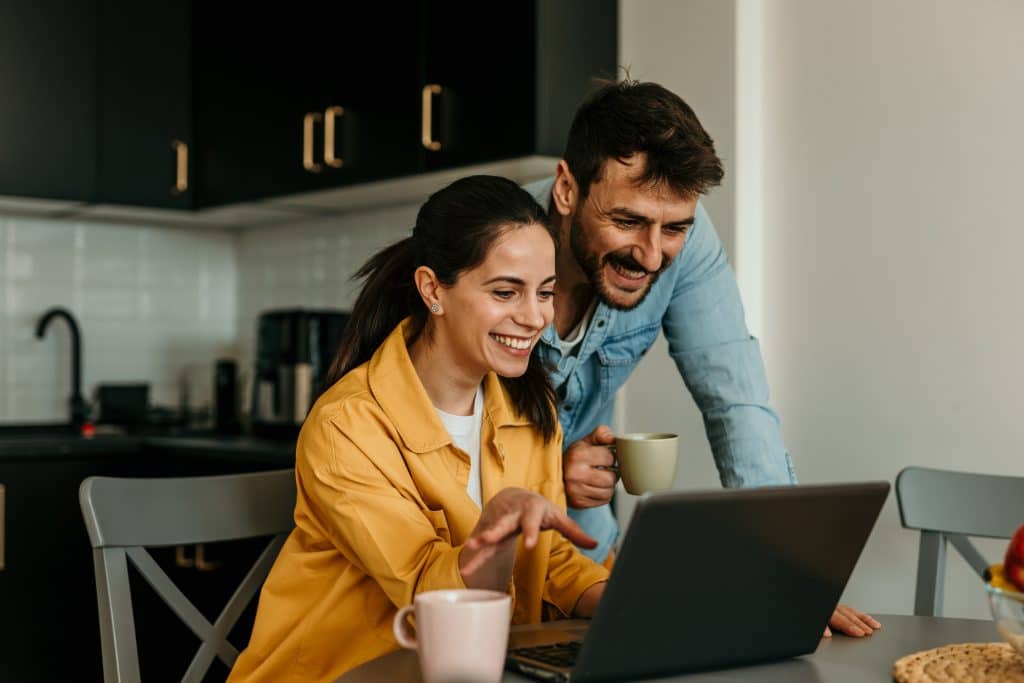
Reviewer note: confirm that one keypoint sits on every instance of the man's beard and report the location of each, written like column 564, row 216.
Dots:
column 593, row 266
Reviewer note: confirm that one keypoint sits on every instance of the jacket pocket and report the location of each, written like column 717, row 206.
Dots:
column 619, row 356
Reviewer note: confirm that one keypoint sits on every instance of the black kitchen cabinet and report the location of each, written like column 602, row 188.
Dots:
column 180, row 104
column 47, row 584
column 502, row 80
column 321, row 96
column 479, row 64
column 49, row 630
column 145, row 103
column 49, row 112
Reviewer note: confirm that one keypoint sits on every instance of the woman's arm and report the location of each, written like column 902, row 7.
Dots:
column 369, row 512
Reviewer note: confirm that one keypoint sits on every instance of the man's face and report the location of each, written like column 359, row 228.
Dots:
column 624, row 235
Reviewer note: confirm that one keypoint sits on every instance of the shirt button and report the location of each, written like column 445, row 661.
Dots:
column 600, row 323
column 568, row 407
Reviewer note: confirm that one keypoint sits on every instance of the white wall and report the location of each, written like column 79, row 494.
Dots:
column 154, row 305
column 310, row 265
column 892, row 158
column 893, row 163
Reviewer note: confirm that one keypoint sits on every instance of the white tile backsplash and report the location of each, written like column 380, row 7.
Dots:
column 148, row 301
column 160, row 305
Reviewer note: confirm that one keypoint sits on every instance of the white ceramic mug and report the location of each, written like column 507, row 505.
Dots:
column 461, row 634
column 647, row 461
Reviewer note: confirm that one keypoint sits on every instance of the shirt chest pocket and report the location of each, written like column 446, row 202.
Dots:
column 618, row 356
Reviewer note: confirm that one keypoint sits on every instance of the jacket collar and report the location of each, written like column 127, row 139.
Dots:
column 397, row 389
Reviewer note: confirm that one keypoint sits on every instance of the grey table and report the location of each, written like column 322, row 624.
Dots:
column 837, row 660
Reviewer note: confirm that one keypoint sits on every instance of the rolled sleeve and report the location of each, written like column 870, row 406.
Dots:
column 570, row 574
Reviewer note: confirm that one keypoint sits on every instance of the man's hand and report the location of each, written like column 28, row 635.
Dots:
column 588, row 482
column 488, row 555
column 852, row 622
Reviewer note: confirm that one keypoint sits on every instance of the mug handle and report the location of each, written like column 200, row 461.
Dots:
column 404, row 633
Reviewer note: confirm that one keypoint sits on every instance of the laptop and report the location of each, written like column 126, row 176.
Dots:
column 713, row 579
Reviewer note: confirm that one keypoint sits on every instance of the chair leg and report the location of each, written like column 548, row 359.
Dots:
column 931, row 574
column 117, row 622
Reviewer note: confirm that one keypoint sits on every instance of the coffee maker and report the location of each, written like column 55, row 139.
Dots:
column 294, row 349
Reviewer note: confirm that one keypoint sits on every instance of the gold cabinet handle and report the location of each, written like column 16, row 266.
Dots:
column 308, row 121
column 181, row 559
column 201, row 563
column 329, row 115
column 426, row 133
column 181, row 176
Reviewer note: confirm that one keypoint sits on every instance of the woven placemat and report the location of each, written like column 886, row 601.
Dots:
column 967, row 663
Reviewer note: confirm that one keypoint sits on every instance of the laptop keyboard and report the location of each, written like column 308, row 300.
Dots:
column 555, row 654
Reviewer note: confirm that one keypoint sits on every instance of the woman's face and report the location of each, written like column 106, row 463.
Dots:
column 494, row 314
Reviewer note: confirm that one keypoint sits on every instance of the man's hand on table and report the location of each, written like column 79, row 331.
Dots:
column 588, row 482
column 851, row 622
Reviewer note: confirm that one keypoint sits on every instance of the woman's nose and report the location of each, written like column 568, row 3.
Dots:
column 530, row 314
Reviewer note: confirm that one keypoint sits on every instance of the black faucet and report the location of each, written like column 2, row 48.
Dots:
column 76, row 402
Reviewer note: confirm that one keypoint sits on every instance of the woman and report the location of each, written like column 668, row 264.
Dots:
column 434, row 450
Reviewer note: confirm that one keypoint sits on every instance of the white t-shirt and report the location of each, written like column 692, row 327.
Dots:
column 568, row 345
column 465, row 432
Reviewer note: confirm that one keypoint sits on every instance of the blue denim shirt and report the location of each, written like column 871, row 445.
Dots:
column 696, row 303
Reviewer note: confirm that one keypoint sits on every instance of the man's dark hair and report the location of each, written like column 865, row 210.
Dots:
column 626, row 117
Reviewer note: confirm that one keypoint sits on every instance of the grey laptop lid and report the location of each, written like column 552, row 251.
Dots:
column 723, row 578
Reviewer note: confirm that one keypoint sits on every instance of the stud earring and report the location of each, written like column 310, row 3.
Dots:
column 434, row 308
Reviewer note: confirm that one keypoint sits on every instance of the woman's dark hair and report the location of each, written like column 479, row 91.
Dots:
column 454, row 230
column 626, row 117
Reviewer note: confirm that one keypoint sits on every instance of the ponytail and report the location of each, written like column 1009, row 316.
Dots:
column 387, row 297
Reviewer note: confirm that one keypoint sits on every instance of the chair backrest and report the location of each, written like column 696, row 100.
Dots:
column 948, row 507
column 123, row 516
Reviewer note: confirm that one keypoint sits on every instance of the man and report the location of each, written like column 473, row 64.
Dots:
column 639, row 255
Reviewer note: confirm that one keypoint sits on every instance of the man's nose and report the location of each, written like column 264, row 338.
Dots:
column 648, row 253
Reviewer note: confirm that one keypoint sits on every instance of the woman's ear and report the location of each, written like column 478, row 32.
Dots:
column 430, row 289
column 565, row 192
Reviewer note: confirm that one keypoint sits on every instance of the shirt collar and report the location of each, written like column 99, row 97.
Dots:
column 397, row 389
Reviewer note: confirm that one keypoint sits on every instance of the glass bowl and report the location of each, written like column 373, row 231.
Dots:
column 1008, row 613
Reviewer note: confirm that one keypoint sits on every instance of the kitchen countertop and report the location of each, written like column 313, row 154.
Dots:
column 60, row 442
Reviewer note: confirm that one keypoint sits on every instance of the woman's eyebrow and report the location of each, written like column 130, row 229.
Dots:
column 511, row 279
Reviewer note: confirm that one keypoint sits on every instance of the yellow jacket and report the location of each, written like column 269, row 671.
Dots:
column 381, row 515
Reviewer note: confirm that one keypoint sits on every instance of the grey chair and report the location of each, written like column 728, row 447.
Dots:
column 948, row 507
column 124, row 516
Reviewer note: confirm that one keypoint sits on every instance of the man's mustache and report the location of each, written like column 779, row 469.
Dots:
column 630, row 264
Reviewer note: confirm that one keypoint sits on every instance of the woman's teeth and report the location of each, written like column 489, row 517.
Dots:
column 631, row 274
column 512, row 342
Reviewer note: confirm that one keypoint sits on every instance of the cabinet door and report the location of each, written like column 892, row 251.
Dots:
column 48, row 115
column 481, row 60
column 145, row 129
column 366, row 66
column 319, row 96
column 252, row 88
column 47, row 586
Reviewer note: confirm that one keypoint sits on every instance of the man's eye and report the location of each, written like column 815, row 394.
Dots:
column 627, row 223
column 677, row 229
